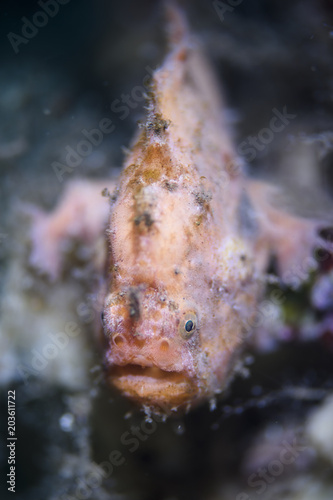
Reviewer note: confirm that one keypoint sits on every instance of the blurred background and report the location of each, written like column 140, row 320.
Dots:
column 65, row 67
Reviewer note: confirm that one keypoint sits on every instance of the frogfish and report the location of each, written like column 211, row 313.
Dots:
column 189, row 236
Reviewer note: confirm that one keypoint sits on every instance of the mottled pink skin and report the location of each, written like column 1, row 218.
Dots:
column 188, row 237
column 81, row 215
column 176, row 247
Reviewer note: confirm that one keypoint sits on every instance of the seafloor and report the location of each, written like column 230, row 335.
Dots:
column 271, row 435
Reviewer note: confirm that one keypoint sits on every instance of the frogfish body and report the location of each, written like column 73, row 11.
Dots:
column 188, row 247
column 189, row 237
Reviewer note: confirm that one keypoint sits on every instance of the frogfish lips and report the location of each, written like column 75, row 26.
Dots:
column 154, row 372
column 153, row 386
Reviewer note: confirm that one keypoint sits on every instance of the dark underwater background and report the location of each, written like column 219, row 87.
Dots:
column 270, row 435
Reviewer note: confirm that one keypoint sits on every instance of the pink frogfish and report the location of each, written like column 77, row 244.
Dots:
column 189, row 241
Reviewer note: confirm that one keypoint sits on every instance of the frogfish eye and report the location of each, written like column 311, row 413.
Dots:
column 188, row 325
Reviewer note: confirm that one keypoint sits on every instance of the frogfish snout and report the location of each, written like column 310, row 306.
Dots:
column 147, row 359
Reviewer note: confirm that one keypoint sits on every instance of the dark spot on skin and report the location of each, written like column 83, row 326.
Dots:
column 134, row 306
column 243, row 257
column 198, row 220
column 114, row 268
column 177, row 271
column 112, row 196
column 170, row 186
column 203, row 197
column 173, row 306
column 146, row 218
column 157, row 124
column 326, row 234
column 247, row 217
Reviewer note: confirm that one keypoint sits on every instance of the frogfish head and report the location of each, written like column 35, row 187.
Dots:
column 154, row 354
